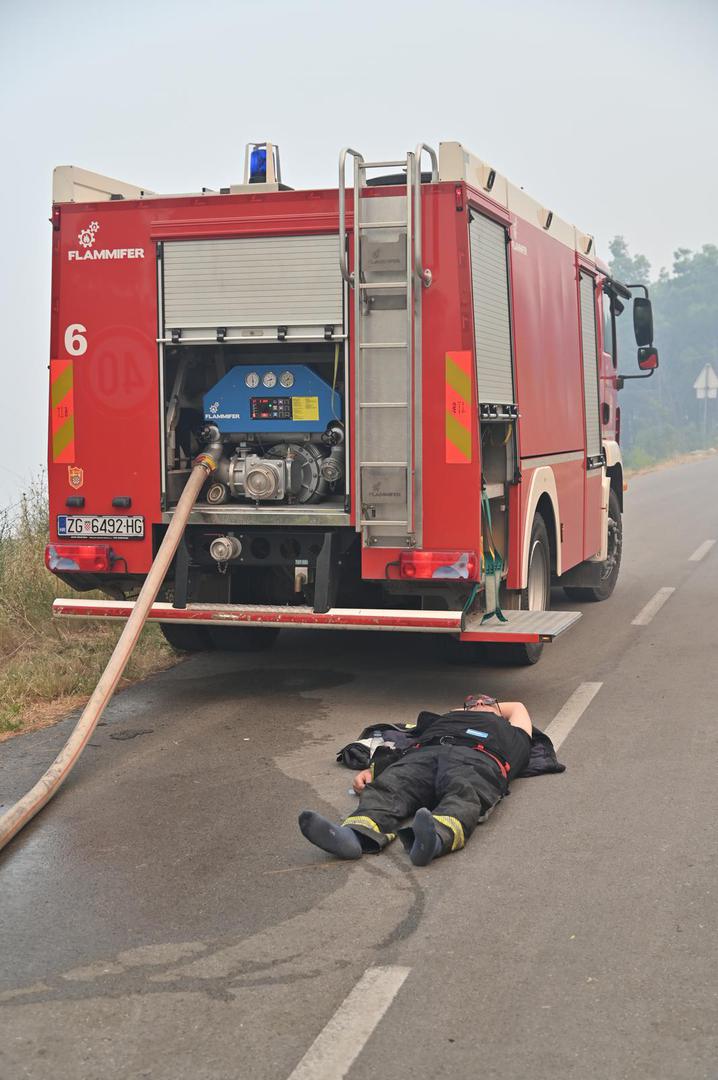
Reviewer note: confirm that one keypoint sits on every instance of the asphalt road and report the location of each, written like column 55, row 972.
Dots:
column 164, row 918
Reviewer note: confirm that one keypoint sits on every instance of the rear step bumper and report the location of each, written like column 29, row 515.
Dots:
column 521, row 626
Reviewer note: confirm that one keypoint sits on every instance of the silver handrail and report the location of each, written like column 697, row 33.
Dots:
column 423, row 275
column 343, row 265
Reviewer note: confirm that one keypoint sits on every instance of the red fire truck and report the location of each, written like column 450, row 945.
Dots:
column 410, row 382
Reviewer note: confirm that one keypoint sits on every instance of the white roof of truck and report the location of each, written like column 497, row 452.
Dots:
column 72, row 184
column 457, row 163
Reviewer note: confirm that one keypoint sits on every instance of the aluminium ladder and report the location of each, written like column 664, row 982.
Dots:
column 387, row 281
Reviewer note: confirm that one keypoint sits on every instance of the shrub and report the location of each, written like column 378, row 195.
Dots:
column 44, row 660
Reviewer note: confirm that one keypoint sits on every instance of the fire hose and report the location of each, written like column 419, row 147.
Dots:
column 25, row 809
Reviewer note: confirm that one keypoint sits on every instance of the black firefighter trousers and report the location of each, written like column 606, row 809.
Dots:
column 458, row 784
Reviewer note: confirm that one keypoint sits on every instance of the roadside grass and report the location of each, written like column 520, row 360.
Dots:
column 48, row 666
column 638, row 464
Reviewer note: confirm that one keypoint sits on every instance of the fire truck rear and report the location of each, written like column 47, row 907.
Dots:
column 410, row 384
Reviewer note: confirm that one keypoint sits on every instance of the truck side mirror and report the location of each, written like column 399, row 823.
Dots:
column 643, row 321
column 648, row 358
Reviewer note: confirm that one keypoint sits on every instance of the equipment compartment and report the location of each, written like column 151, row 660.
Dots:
column 279, row 412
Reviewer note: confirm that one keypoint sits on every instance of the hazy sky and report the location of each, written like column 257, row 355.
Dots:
column 607, row 112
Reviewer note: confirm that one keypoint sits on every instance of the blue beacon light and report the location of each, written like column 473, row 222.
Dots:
column 258, row 165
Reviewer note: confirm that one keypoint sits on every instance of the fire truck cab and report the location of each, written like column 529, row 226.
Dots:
column 411, row 382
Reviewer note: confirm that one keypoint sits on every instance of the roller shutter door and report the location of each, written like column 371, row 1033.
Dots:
column 590, row 367
column 492, row 319
column 253, row 285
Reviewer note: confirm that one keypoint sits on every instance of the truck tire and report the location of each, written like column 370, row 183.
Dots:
column 241, row 639
column 535, row 597
column 611, row 567
column 187, row 638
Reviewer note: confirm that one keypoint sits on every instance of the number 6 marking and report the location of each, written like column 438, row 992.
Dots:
column 75, row 340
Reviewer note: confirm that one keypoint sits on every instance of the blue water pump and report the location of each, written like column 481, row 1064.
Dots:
column 271, row 398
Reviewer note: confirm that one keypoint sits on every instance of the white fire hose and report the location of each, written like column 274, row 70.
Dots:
column 18, row 815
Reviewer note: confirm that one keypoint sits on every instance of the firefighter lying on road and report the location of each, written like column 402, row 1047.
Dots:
column 453, row 773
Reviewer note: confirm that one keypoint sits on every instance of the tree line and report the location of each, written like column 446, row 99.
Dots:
column 660, row 416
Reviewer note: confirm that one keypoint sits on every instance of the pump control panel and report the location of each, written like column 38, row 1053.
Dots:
column 270, row 408
column 269, row 398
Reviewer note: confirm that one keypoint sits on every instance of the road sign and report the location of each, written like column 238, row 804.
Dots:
column 706, row 385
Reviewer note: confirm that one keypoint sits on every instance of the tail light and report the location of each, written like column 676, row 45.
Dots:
column 435, row 565
column 88, row 558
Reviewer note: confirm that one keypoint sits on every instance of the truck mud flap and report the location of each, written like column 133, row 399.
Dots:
column 521, row 626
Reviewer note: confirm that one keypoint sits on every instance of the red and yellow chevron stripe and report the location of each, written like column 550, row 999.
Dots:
column 458, row 408
column 62, row 411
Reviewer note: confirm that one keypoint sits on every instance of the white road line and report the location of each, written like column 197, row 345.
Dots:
column 653, row 606
column 339, row 1043
column 572, row 711
column 701, row 551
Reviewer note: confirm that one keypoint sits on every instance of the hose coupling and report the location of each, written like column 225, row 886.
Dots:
column 224, row 548
column 211, row 456
column 206, row 460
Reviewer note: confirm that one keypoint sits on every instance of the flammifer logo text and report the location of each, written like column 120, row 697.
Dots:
column 86, row 239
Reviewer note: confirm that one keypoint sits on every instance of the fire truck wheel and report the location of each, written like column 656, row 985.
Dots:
column 251, row 639
column 187, row 638
column 610, row 569
column 535, row 597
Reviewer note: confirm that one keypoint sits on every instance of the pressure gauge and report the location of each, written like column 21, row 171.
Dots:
column 286, row 379
column 251, row 380
column 269, row 379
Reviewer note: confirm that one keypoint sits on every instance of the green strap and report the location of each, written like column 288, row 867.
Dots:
column 486, row 507
column 492, row 566
column 469, row 602
column 467, row 606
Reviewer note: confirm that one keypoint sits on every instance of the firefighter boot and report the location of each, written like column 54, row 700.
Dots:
column 427, row 841
column 338, row 840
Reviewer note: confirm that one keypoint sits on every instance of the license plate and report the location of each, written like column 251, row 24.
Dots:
column 129, row 528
